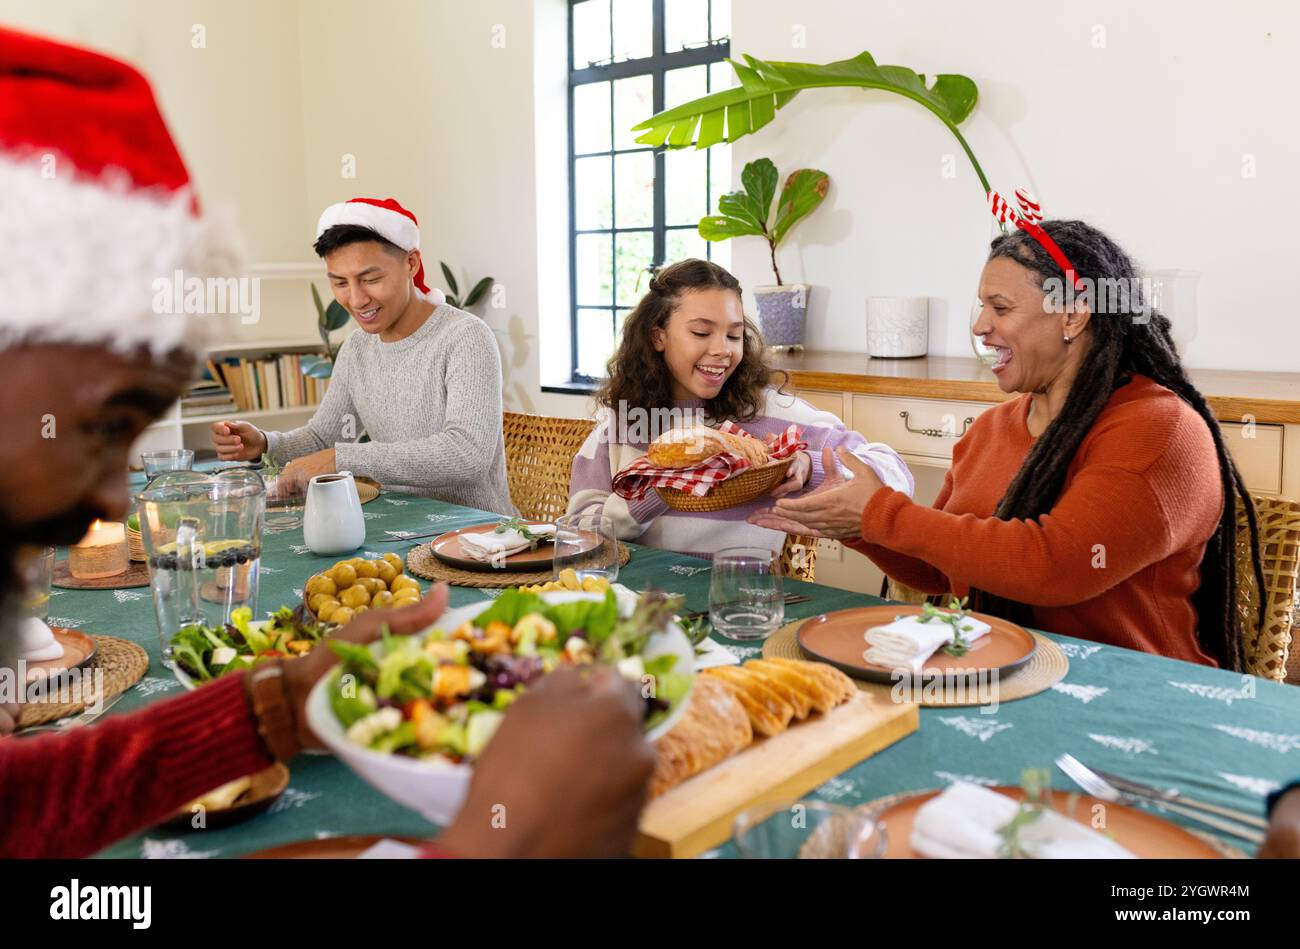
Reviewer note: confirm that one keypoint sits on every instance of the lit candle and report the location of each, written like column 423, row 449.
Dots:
column 101, row 553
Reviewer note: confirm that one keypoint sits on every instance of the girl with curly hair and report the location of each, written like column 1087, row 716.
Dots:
column 689, row 355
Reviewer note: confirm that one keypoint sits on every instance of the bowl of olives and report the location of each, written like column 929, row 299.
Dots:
column 350, row 587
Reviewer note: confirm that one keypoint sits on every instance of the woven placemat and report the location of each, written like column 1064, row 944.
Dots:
column 423, row 563
column 367, row 491
column 881, row 804
column 1047, row 667
column 123, row 664
column 137, row 575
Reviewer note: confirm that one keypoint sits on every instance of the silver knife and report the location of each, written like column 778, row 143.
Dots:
column 1126, row 784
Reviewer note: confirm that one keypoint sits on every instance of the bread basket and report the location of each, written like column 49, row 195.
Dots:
column 745, row 487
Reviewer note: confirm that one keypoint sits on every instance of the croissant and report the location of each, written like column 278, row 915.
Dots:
column 684, row 447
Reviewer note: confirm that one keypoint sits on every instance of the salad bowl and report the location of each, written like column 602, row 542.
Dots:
column 433, row 780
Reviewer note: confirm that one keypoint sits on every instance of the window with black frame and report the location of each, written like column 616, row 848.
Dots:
column 631, row 208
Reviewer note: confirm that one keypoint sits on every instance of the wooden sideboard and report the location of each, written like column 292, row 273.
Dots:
column 921, row 407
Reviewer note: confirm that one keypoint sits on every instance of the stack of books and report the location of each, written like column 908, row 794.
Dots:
column 207, row 397
column 267, row 382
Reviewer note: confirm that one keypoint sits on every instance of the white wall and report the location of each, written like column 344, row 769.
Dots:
column 457, row 109
column 1144, row 137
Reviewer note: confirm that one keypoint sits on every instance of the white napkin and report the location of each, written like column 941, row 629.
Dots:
column 389, row 850
column 36, row 642
column 492, row 546
column 907, row 643
column 964, row 820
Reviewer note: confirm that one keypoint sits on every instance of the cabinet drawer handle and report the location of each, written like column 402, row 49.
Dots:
column 935, row 432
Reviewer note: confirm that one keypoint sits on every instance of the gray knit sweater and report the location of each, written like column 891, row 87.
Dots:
column 431, row 404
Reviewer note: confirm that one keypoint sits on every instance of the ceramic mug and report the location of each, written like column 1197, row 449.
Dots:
column 332, row 522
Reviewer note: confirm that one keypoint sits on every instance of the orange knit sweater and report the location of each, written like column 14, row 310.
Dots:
column 1116, row 560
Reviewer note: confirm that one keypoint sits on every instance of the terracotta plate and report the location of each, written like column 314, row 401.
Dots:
column 330, row 848
column 447, row 549
column 78, row 650
column 1143, row 834
column 266, row 787
column 839, row 638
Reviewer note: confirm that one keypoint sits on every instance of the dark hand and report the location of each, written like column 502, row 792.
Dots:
column 301, row 674
column 1283, row 840
column 565, row 776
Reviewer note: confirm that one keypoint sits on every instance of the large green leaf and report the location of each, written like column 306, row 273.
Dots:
column 318, row 367
column 804, row 190
column 717, row 227
column 451, row 281
column 768, row 86
column 336, row 316
column 760, row 178
column 480, row 288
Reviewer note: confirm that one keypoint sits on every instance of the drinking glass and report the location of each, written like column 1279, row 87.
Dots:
column 284, row 502
column 745, row 598
column 586, row 544
column 158, row 462
column 36, row 568
column 807, row 830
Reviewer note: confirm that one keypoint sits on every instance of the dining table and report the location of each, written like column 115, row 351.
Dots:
column 1217, row 736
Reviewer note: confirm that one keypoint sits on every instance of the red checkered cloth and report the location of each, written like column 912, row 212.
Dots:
column 639, row 478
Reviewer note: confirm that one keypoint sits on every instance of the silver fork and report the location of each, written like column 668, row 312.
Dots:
column 73, row 721
column 1099, row 787
column 1177, row 797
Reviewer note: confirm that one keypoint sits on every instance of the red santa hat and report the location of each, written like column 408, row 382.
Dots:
column 389, row 220
column 95, row 205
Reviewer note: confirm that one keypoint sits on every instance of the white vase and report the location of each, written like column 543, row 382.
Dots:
column 332, row 521
column 898, row 327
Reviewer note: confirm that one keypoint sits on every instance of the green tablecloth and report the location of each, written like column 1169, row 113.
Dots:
column 1214, row 735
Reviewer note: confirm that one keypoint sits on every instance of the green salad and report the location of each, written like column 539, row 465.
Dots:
column 444, row 693
column 206, row 652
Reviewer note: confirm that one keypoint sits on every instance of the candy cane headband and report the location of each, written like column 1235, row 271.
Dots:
column 1031, row 212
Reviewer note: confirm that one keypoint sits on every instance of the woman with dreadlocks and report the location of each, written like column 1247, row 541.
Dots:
column 1100, row 504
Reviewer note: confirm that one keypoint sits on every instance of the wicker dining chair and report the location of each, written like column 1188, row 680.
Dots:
column 539, row 454
column 1267, row 649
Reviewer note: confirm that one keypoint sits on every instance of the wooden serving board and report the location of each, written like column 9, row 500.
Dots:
column 699, row 814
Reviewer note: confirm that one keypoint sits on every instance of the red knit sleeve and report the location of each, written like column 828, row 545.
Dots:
column 912, row 571
column 71, row 795
column 1105, row 527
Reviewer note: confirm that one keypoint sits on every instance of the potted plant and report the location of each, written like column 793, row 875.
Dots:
column 453, row 290
column 328, row 318
column 783, row 308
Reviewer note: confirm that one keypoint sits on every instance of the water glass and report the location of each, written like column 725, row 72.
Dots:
column 745, row 597
column 36, row 569
column 586, row 544
column 808, row 830
column 174, row 459
column 284, row 502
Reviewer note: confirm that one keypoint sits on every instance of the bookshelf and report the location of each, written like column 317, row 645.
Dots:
column 289, row 308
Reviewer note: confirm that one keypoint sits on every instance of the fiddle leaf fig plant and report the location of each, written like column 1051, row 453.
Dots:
column 749, row 212
column 766, row 87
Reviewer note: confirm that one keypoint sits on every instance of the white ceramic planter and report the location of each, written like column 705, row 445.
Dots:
column 898, row 327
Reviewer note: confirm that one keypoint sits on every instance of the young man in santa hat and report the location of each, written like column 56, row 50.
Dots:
column 96, row 203
column 422, row 379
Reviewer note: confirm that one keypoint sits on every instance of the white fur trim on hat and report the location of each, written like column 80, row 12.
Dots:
column 86, row 260
column 390, row 225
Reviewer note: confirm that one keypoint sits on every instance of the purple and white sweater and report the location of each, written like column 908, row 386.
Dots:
column 651, row 522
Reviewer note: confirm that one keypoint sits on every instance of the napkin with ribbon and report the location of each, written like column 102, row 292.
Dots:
column 907, row 643
column 640, row 477
column 495, row 546
column 964, row 822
